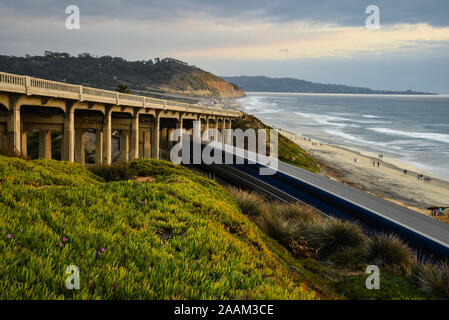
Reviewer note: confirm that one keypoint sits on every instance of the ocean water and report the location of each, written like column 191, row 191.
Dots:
column 413, row 129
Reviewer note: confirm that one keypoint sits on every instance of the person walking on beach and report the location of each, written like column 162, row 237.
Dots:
column 378, row 164
column 374, row 164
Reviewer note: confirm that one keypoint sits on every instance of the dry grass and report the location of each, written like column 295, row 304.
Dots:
column 431, row 278
column 251, row 203
column 336, row 235
column 388, row 250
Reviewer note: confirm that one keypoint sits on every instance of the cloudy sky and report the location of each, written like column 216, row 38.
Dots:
column 322, row 41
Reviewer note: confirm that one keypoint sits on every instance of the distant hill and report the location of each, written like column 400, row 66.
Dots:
column 266, row 84
column 166, row 75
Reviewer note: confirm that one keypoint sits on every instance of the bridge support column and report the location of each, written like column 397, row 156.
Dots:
column 2, row 137
column 217, row 126
column 69, row 134
column 163, row 143
column 44, row 144
column 107, row 136
column 124, row 146
column 135, row 136
column 170, row 143
column 146, row 145
column 197, row 128
column 206, row 127
column 207, row 123
column 80, row 149
column 24, row 144
column 179, row 127
column 229, row 133
column 156, row 136
column 13, row 126
column 223, row 131
column 99, row 147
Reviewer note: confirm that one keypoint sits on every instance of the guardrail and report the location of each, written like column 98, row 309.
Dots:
column 24, row 84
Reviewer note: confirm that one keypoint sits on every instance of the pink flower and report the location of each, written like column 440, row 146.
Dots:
column 21, row 229
column 64, row 239
column 99, row 252
column 9, row 236
column 60, row 244
column 102, row 249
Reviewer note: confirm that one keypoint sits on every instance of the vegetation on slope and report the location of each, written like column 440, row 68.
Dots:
column 333, row 254
column 176, row 236
column 169, row 75
column 288, row 151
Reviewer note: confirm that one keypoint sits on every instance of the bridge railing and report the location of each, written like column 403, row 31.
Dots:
column 53, row 85
column 12, row 79
column 25, row 84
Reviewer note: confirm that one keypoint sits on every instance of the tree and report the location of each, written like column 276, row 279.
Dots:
column 123, row 88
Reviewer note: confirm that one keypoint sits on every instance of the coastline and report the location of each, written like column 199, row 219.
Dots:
column 387, row 180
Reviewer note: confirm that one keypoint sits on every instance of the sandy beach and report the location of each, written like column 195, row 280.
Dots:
column 387, row 180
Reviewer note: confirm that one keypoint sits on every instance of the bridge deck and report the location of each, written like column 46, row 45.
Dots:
column 13, row 83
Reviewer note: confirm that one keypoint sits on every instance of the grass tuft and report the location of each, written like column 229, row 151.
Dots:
column 434, row 279
column 275, row 226
column 297, row 212
column 250, row 203
column 336, row 235
column 388, row 250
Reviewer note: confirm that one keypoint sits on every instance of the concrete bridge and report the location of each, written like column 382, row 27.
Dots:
column 142, row 123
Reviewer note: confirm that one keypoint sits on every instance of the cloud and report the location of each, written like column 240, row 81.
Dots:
column 233, row 35
column 205, row 36
column 342, row 12
column 305, row 40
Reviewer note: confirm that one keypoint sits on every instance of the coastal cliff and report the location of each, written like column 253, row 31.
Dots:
column 159, row 75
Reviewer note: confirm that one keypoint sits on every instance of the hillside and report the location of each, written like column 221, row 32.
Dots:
column 172, row 235
column 166, row 75
column 288, row 151
column 266, row 84
column 150, row 229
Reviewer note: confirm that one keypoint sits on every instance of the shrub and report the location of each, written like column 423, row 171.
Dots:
column 276, row 226
column 434, row 279
column 297, row 212
column 413, row 271
column 113, row 172
column 388, row 250
column 250, row 203
column 335, row 235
